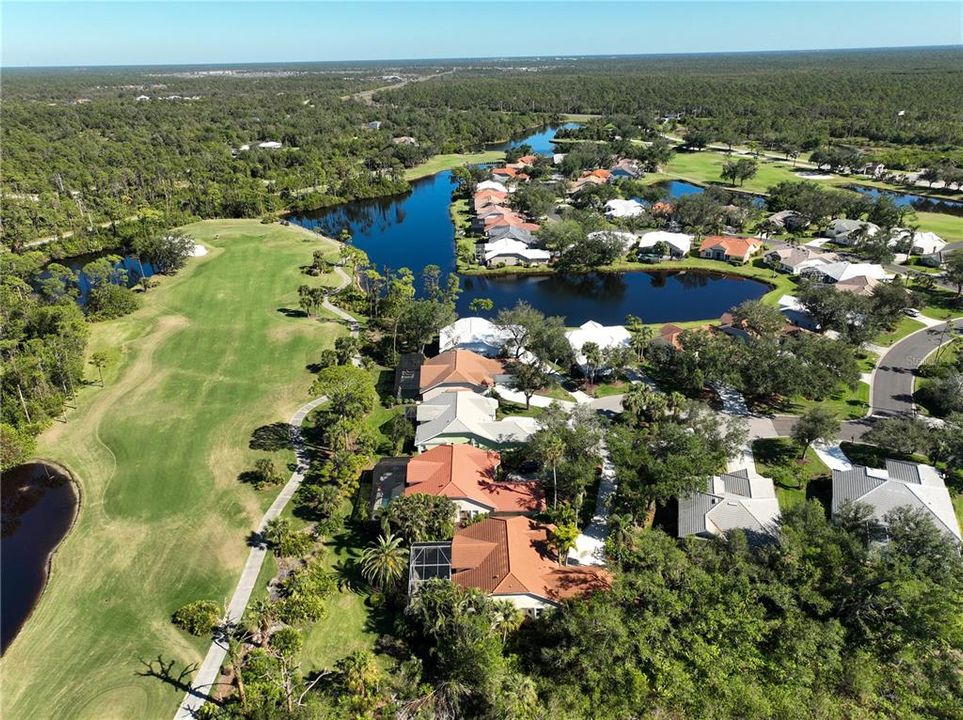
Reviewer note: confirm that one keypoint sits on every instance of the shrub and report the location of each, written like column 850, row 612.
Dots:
column 109, row 301
column 198, row 618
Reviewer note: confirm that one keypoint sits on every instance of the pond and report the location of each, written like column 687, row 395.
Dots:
column 540, row 141
column 917, row 202
column 415, row 230
column 132, row 265
column 38, row 507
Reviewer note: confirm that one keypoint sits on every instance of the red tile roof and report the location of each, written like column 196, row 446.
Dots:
column 510, row 556
column 528, row 159
column 506, row 171
column 461, row 367
column 732, row 246
column 467, row 472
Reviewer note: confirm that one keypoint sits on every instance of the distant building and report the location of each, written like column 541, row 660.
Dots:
column 679, row 244
column 514, row 252
column 793, row 260
column 623, row 208
column 374, row 125
column 845, row 231
column 611, row 336
column 270, row 145
column 841, row 271
column 404, row 140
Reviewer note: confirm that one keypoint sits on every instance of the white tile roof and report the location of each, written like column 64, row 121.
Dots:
column 680, row 241
column 508, row 247
column 467, row 414
column 623, row 208
column 472, row 333
column 602, row 335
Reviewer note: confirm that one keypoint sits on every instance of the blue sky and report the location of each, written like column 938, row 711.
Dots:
column 121, row 33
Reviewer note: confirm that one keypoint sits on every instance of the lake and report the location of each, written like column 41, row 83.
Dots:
column 38, row 506
column 917, row 202
column 415, row 229
column 135, row 269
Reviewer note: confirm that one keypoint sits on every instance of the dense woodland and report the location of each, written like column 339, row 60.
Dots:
column 845, row 96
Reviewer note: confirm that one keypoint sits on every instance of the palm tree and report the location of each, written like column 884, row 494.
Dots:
column 506, row 618
column 383, row 562
column 551, row 451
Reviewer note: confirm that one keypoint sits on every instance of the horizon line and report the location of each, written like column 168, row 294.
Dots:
column 491, row 58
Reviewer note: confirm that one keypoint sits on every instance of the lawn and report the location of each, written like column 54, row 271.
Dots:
column 213, row 354
column 778, row 458
column 705, row 167
column 903, row 328
column 938, row 303
column 846, row 403
column 437, row 163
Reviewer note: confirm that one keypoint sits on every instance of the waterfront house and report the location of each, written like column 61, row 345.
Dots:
column 463, row 473
column 491, row 185
column 729, row 248
column 510, row 559
column 627, row 239
column 733, row 501
column 789, row 220
column 477, row 334
column 467, row 417
column 511, row 232
column 899, row 484
column 669, row 336
column 844, row 231
column 507, row 251
column 678, row 244
column 458, row 370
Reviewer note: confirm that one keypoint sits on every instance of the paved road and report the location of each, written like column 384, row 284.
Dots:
column 892, row 387
column 210, row 668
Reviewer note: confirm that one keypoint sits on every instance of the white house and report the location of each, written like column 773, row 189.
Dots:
column 679, row 243
column 514, row 252
column 919, row 487
column 270, row 145
column 842, row 271
column 627, row 239
column 477, row 334
column 926, row 243
column 467, row 417
column 730, row 502
column 491, row 185
column 794, row 260
column 604, row 336
column 618, row 208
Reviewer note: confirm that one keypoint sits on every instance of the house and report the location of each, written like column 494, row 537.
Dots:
column 514, row 252
column 270, row 145
column 859, row 285
column 926, row 243
column 476, row 334
column 142, row 98
column 611, row 336
column 466, row 417
column 661, row 209
column 510, row 559
column 840, row 271
column 527, row 160
column 789, row 220
column 511, row 232
column 796, row 313
column 487, row 198
column 623, row 208
column 407, row 375
column 374, row 125
column 793, row 260
column 733, row 501
column 669, row 336
column 512, row 220
column 404, row 140
column 625, row 169
column 494, row 211
column 729, row 248
column 679, row 243
column 845, row 231
column 627, row 239
column 463, row 473
column 899, row 484
column 504, row 173
column 458, row 370
column 491, row 185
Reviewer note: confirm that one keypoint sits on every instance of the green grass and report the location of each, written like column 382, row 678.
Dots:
column 460, row 214
column 846, row 403
column 437, row 163
column 939, row 304
column 157, row 451
column 903, row 328
column 705, row 168
column 778, row 458
column 608, row 389
column 866, row 361
column 875, row 457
